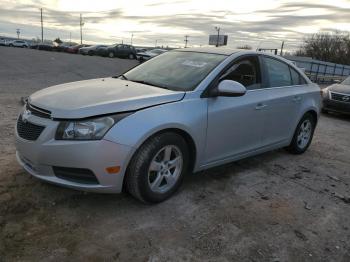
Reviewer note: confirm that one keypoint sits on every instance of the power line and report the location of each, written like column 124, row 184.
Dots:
column 81, row 29
column 42, row 25
column 281, row 53
column 217, row 40
column 186, row 40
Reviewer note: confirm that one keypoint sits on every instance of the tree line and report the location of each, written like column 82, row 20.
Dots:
column 331, row 47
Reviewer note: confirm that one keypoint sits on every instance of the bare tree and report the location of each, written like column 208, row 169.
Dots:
column 331, row 47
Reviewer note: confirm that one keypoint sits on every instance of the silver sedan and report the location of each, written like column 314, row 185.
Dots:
column 183, row 111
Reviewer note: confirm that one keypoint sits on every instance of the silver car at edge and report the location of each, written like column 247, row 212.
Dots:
column 184, row 111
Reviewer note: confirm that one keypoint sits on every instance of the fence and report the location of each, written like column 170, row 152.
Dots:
column 320, row 71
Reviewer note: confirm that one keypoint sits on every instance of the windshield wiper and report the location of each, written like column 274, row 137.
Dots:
column 122, row 75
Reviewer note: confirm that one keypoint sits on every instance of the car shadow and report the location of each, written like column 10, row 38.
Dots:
column 339, row 116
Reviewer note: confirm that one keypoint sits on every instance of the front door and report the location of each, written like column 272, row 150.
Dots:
column 235, row 124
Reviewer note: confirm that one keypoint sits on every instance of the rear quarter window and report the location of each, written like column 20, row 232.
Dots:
column 297, row 79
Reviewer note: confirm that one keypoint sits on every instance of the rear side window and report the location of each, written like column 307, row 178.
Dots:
column 297, row 79
column 278, row 73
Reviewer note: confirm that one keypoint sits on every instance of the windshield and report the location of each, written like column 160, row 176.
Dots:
column 176, row 70
column 346, row 81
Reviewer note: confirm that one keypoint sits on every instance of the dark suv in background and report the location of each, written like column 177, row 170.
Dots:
column 119, row 50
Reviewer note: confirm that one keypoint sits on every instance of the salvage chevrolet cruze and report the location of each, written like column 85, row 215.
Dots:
column 183, row 111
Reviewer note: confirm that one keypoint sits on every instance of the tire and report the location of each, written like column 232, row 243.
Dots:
column 131, row 56
column 110, row 54
column 151, row 186
column 299, row 142
column 11, row 45
column 90, row 53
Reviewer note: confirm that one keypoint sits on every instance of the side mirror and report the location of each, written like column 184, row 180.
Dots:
column 229, row 88
column 337, row 81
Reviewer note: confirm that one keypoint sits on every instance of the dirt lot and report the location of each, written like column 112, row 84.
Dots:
column 273, row 207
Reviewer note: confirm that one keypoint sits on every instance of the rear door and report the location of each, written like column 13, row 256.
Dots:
column 283, row 102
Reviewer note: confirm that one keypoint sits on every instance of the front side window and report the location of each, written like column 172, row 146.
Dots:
column 278, row 73
column 175, row 70
column 245, row 71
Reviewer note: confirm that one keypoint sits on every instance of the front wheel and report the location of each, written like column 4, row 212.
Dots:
column 131, row 56
column 157, row 169
column 303, row 134
column 111, row 54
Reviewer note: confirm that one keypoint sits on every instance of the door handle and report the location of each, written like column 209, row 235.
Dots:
column 297, row 99
column 260, row 106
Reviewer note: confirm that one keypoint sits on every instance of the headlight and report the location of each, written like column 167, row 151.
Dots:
column 89, row 129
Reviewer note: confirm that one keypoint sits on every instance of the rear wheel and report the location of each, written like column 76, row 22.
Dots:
column 111, row 54
column 131, row 56
column 90, row 53
column 303, row 134
column 157, row 169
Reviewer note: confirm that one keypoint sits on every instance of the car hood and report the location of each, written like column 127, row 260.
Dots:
column 340, row 88
column 100, row 96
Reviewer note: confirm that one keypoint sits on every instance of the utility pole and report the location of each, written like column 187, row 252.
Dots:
column 42, row 25
column 70, row 37
column 18, row 31
column 156, row 42
column 132, row 36
column 186, row 40
column 282, row 48
column 81, row 29
column 217, row 40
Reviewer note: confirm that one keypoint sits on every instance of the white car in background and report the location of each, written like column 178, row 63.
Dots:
column 18, row 43
column 143, row 56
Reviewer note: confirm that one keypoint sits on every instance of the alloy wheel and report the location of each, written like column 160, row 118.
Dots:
column 304, row 133
column 165, row 169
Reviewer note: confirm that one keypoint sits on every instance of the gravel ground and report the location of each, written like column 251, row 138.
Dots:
column 272, row 207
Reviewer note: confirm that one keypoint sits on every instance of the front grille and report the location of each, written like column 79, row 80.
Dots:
column 37, row 111
column 27, row 130
column 78, row 175
column 340, row 97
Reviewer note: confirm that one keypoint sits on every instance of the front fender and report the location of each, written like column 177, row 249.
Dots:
column 189, row 115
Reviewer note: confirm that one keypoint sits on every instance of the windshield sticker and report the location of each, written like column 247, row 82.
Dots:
column 194, row 63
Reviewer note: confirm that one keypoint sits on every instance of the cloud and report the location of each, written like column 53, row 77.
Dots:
column 288, row 21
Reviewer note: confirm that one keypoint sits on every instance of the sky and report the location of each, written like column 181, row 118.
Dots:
column 264, row 23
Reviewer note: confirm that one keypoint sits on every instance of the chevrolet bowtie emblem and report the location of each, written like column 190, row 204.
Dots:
column 26, row 114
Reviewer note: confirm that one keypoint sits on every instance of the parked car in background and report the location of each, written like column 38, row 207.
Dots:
column 91, row 50
column 143, row 56
column 18, row 43
column 141, row 50
column 74, row 49
column 336, row 98
column 42, row 46
column 2, row 42
column 119, row 50
column 184, row 111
